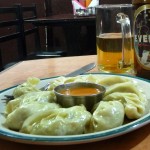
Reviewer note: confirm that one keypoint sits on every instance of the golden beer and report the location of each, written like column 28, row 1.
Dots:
column 110, row 58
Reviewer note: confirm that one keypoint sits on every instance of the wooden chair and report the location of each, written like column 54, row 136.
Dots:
column 15, row 34
column 29, row 28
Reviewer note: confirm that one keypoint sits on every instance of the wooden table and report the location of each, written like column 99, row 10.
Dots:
column 63, row 20
column 72, row 26
column 136, row 140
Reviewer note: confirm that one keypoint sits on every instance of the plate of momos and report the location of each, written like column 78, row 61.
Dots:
column 35, row 117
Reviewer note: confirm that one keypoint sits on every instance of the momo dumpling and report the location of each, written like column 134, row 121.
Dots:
column 55, row 82
column 74, row 79
column 126, row 87
column 106, row 116
column 15, row 119
column 61, row 80
column 107, row 81
column 41, row 96
column 92, row 78
column 26, row 87
column 61, row 121
column 134, row 106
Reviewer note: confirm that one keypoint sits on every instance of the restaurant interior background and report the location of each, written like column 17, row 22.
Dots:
column 47, row 8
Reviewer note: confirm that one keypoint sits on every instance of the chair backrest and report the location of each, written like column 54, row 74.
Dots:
column 8, row 23
column 15, row 34
column 26, row 13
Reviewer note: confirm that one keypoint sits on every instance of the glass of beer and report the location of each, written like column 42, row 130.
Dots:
column 114, row 38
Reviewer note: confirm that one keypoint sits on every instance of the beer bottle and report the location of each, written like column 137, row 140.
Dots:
column 142, row 37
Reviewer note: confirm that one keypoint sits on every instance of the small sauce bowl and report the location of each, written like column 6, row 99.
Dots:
column 77, row 93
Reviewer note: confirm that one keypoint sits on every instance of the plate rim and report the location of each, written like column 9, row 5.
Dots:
column 76, row 139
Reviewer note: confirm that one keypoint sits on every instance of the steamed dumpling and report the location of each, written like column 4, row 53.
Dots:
column 55, row 82
column 62, row 80
column 106, row 116
column 26, row 87
column 132, row 98
column 126, row 87
column 108, row 81
column 134, row 106
column 41, row 96
column 61, row 121
column 16, row 118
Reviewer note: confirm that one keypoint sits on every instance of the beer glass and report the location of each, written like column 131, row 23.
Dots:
column 114, row 38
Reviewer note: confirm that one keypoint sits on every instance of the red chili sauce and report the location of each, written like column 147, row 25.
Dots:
column 80, row 91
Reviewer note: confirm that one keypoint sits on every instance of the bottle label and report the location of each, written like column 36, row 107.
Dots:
column 142, row 35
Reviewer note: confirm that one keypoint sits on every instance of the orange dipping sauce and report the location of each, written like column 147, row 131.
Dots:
column 80, row 91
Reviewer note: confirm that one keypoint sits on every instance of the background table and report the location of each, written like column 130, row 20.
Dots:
column 72, row 26
column 136, row 140
column 63, row 19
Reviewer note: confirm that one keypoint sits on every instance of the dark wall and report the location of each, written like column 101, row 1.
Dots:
column 9, row 49
column 115, row 1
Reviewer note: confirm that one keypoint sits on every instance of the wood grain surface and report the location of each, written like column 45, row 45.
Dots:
column 136, row 140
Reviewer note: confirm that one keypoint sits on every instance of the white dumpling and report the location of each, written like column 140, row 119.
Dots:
column 26, row 87
column 126, row 87
column 16, row 118
column 92, row 78
column 106, row 116
column 41, row 96
column 107, row 81
column 55, row 82
column 134, row 106
column 61, row 121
